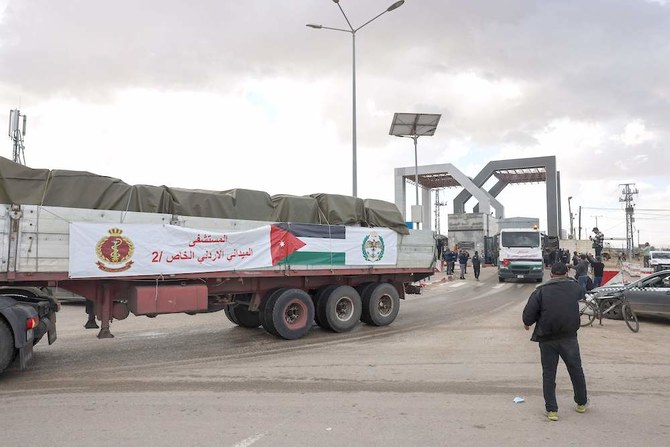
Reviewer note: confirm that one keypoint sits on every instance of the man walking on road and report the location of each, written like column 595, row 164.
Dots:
column 476, row 265
column 553, row 308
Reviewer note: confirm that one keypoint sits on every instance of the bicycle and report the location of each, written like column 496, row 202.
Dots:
column 616, row 305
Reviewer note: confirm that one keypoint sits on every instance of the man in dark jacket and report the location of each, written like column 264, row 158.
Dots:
column 582, row 271
column 553, row 308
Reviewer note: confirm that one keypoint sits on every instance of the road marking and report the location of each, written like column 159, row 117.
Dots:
column 497, row 286
column 247, row 442
column 457, row 284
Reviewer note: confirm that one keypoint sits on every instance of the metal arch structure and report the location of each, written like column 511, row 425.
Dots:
column 440, row 176
column 520, row 170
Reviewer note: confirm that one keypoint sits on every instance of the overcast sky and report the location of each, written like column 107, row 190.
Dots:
column 241, row 94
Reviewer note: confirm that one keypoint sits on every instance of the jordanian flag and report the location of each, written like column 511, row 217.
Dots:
column 312, row 244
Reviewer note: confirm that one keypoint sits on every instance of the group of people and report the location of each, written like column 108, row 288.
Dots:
column 451, row 257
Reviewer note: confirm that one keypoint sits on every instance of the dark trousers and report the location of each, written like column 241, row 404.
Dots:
column 568, row 350
column 596, row 281
column 476, row 268
column 599, row 251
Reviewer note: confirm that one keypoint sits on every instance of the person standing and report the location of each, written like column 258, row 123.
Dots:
column 476, row 265
column 598, row 270
column 582, row 271
column 554, row 310
column 462, row 260
column 598, row 240
column 575, row 258
column 646, row 254
column 451, row 261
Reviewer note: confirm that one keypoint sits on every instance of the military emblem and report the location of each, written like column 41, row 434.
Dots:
column 373, row 247
column 114, row 252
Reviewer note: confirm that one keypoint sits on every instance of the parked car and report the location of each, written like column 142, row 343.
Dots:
column 659, row 260
column 648, row 296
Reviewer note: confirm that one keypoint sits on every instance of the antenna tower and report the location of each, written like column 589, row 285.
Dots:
column 17, row 130
column 627, row 194
column 438, row 204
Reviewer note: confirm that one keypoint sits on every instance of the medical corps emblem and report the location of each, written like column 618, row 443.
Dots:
column 373, row 247
column 114, row 252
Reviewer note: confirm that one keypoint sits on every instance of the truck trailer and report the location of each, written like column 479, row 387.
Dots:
column 280, row 262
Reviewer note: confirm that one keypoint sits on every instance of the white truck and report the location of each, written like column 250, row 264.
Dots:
column 520, row 254
column 279, row 262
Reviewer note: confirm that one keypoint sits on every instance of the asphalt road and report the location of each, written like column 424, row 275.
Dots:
column 444, row 373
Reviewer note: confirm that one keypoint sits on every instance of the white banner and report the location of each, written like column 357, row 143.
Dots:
column 146, row 249
column 104, row 250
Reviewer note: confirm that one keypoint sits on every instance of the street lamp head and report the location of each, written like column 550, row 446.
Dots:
column 311, row 25
column 569, row 197
column 336, row 1
column 396, row 5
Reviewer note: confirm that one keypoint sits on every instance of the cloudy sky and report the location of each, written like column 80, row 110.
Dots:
column 241, row 94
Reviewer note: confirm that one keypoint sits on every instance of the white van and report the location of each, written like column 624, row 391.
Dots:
column 659, row 260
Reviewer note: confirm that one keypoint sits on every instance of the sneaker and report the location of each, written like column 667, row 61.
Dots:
column 580, row 408
column 552, row 415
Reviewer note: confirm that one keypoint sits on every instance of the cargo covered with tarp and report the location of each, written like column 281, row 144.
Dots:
column 297, row 209
column 22, row 185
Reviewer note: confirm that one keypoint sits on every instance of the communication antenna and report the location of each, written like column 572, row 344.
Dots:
column 17, row 130
column 438, row 204
column 627, row 194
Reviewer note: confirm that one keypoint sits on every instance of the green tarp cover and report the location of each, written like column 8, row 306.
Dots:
column 22, row 185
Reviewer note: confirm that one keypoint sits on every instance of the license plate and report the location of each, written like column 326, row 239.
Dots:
column 519, row 276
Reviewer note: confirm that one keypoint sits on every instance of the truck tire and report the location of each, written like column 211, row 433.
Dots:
column 501, row 279
column 265, row 313
column 318, row 297
column 228, row 310
column 7, row 350
column 339, row 309
column 291, row 313
column 381, row 304
column 245, row 317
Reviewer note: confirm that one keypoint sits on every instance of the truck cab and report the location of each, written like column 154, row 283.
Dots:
column 26, row 315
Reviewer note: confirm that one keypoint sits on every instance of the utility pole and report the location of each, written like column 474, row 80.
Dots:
column 627, row 194
column 572, row 227
column 580, row 222
column 599, row 215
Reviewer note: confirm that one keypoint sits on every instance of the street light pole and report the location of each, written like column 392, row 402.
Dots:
column 415, row 125
column 353, row 31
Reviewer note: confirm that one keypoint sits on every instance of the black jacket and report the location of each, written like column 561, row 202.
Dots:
column 554, row 310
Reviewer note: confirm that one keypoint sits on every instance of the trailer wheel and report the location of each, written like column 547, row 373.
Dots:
column 291, row 312
column 381, row 304
column 7, row 350
column 245, row 317
column 339, row 309
column 321, row 295
column 228, row 310
column 265, row 313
